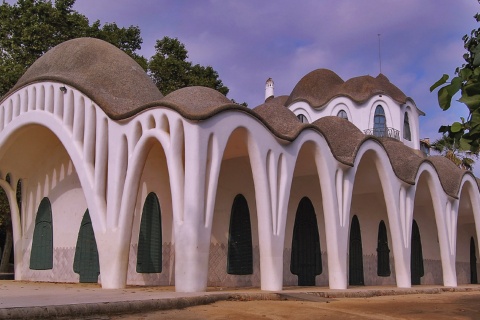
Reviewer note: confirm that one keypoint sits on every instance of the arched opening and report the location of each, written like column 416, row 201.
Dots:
column 416, row 258
column 379, row 122
column 383, row 252
column 306, row 259
column 465, row 259
column 152, row 253
column 85, row 262
column 149, row 257
column 234, row 259
column 240, row 254
column 425, row 237
column 370, row 207
column 41, row 256
column 355, row 266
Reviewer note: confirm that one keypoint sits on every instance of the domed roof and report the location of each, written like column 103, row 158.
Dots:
column 320, row 86
column 280, row 120
column 197, row 102
column 315, row 87
column 103, row 72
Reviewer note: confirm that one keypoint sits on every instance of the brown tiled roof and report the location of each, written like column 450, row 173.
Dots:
column 103, row 72
column 322, row 85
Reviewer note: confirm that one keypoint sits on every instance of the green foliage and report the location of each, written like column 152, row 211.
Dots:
column 466, row 82
column 170, row 69
column 455, row 150
column 30, row 28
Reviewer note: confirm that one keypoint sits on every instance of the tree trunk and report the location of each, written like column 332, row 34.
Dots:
column 5, row 262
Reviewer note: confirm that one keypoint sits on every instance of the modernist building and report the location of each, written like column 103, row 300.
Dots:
column 326, row 186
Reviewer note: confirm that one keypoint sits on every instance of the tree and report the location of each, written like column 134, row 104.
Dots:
column 30, row 28
column 170, row 69
column 467, row 82
column 451, row 149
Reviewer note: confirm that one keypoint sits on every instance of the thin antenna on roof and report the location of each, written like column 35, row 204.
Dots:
column 379, row 53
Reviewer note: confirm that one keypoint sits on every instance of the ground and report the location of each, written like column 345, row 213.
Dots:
column 449, row 305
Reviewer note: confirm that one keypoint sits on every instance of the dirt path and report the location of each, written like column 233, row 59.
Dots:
column 459, row 305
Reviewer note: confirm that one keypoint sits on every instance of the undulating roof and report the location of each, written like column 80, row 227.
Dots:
column 122, row 89
column 322, row 85
column 103, row 72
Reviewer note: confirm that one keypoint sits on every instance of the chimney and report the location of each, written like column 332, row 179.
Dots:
column 269, row 89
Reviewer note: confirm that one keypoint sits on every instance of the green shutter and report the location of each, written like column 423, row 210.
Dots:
column 41, row 256
column 416, row 257
column 355, row 267
column 383, row 252
column 473, row 262
column 240, row 257
column 306, row 259
column 149, row 258
column 86, row 262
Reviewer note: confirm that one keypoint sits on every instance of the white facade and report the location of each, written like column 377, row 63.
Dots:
column 197, row 155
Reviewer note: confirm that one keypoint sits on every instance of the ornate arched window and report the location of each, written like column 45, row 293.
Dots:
column 379, row 122
column 342, row 114
column 302, row 118
column 407, row 135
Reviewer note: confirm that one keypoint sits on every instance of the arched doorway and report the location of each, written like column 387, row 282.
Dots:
column 240, row 256
column 383, row 252
column 86, row 262
column 306, row 259
column 355, row 270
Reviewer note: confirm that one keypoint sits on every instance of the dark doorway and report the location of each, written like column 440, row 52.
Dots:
column 86, row 262
column 416, row 259
column 240, row 256
column 149, row 257
column 473, row 262
column 355, row 270
column 383, row 252
column 41, row 256
column 306, row 259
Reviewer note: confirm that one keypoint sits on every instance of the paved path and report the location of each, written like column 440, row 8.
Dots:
column 20, row 299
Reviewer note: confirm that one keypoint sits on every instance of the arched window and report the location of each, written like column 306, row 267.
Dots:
column 240, row 256
column 383, row 252
column 85, row 262
column 379, row 122
column 306, row 259
column 302, row 118
column 149, row 258
column 407, row 135
column 41, row 256
column 342, row 114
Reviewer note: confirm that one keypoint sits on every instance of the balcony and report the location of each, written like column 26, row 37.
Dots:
column 385, row 132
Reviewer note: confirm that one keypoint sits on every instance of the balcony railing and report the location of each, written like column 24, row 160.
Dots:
column 385, row 132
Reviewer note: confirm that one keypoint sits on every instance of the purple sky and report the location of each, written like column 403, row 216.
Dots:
column 249, row 41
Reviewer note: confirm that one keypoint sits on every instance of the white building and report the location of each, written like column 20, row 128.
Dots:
column 124, row 186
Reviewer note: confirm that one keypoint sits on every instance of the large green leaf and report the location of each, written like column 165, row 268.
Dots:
column 444, row 98
column 440, row 82
column 472, row 102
